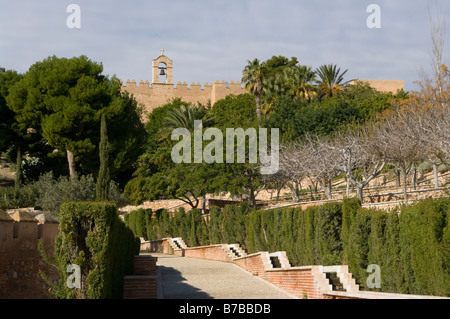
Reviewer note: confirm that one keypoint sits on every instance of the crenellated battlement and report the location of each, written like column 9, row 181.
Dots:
column 23, row 228
column 162, row 89
column 20, row 260
column 157, row 94
column 130, row 84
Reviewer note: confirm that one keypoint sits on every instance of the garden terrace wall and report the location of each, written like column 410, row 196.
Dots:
column 300, row 281
column 215, row 252
column 255, row 263
column 143, row 283
column 309, row 282
column 168, row 246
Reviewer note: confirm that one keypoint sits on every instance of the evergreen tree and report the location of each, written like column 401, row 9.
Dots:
column 18, row 176
column 64, row 99
column 103, row 175
column 394, row 281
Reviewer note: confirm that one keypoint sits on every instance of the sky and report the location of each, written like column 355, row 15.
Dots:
column 212, row 40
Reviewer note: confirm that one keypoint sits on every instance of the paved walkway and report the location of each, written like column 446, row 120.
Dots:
column 190, row 278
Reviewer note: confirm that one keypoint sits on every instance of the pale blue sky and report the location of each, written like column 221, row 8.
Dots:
column 213, row 39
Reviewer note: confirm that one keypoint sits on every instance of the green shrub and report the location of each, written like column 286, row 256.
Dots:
column 215, row 226
column 255, row 240
column 349, row 209
column 138, row 222
column 93, row 237
column 423, row 247
column 287, row 232
column 52, row 193
column 306, row 252
column 328, row 233
column 234, row 224
column 11, row 198
column 392, row 276
column 179, row 225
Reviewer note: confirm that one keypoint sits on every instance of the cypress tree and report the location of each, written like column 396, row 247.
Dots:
column 328, row 233
column 305, row 249
column 287, row 240
column 349, row 208
column 392, row 277
column 215, row 226
column 18, row 176
column 376, row 237
column 359, row 246
column 103, row 175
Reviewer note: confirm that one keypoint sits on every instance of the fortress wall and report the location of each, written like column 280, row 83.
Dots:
column 159, row 94
column 20, row 260
column 386, row 86
column 194, row 93
column 221, row 90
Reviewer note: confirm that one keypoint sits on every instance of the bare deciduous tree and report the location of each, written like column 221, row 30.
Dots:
column 358, row 159
column 291, row 158
column 320, row 163
column 399, row 143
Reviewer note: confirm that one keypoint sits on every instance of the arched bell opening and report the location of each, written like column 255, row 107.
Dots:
column 162, row 72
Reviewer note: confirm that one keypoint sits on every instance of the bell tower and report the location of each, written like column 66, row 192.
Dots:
column 162, row 70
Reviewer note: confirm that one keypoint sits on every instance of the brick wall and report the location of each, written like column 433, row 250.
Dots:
column 215, row 252
column 304, row 282
column 298, row 281
column 139, row 287
column 255, row 263
column 20, row 260
column 143, row 283
column 157, row 246
column 145, row 266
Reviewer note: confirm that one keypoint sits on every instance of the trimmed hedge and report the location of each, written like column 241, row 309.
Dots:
column 93, row 237
column 411, row 245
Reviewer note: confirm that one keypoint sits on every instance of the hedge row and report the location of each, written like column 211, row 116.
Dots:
column 411, row 246
column 93, row 237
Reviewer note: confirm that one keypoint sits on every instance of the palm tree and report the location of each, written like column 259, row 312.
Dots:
column 253, row 76
column 299, row 80
column 295, row 81
column 184, row 117
column 331, row 79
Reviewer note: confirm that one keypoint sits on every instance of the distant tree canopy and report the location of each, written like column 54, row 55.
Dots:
column 295, row 110
column 271, row 80
column 9, row 130
column 63, row 100
column 355, row 105
column 158, row 177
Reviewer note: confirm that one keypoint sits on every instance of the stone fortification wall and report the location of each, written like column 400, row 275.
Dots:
column 159, row 94
column 20, row 260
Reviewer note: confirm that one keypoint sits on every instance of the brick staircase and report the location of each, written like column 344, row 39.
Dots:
column 340, row 278
column 334, row 281
column 234, row 251
column 177, row 243
column 312, row 282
